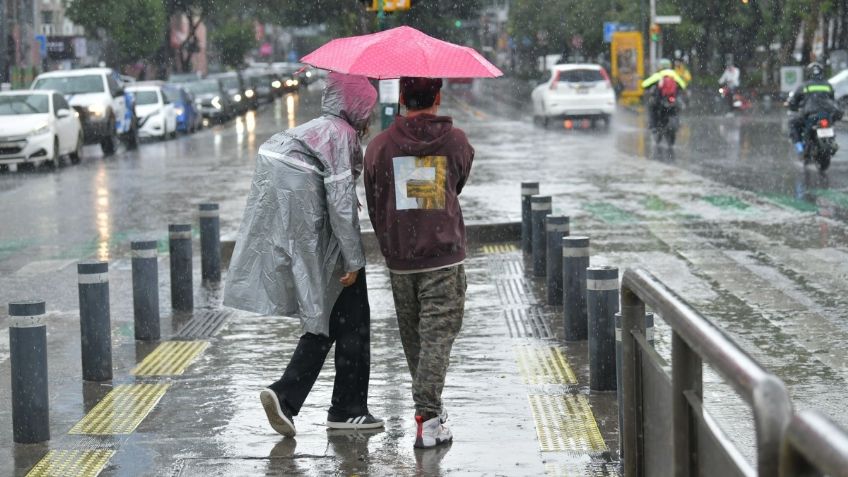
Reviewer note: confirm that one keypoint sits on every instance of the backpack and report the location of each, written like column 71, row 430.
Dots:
column 667, row 87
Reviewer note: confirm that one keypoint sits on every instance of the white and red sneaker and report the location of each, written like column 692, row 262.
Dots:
column 431, row 433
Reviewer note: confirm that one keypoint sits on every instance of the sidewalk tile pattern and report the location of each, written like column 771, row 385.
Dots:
column 524, row 322
column 72, row 463
column 204, row 324
column 514, row 291
column 544, row 365
column 565, row 423
column 170, row 358
column 122, row 410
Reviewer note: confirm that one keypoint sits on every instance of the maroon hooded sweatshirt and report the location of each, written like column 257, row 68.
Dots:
column 414, row 172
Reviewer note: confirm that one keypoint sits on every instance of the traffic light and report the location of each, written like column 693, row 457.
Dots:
column 457, row 23
column 656, row 33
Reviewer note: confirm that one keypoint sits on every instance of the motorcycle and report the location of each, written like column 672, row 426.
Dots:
column 733, row 99
column 667, row 120
column 819, row 140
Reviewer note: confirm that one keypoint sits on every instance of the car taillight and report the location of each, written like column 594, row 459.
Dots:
column 606, row 78
column 824, row 123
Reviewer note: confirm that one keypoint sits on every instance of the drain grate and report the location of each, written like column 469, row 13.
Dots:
column 565, row 423
column 526, row 323
column 122, row 410
column 204, row 324
column 170, row 358
column 544, row 365
column 72, row 463
column 581, row 469
column 514, row 291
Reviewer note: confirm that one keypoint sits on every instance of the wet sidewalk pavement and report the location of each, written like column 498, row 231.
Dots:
column 518, row 404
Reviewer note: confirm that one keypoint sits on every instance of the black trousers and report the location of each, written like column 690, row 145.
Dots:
column 350, row 330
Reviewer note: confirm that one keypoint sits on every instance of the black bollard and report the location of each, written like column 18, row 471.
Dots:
column 575, row 261
column 540, row 207
column 527, row 189
column 182, row 289
column 556, row 227
column 95, row 322
column 210, row 243
column 602, row 305
column 145, row 277
column 28, row 359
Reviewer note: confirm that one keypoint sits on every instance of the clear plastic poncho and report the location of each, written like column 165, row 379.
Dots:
column 300, row 230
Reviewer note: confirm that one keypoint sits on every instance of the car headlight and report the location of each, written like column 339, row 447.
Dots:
column 276, row 84
column 43, row 129
column 237, row 98
column 249, row 93
column 97, row 110
column 216, row 101
column 309, row 74
column 179, row 111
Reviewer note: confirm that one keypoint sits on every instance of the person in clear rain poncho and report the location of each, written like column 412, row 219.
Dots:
column 299, row 253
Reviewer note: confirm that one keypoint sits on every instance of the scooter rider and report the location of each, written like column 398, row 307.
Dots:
column 814, row 96
column 655, row 81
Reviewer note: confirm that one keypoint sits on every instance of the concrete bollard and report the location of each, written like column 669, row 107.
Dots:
column 575, row 261
column 527, row 189
column 556, row 227
column 540, row 207
column 145, row 278
column 28, row 357
column 95, row 321
column 182, row 289
column 210, row 243
column 602, row 305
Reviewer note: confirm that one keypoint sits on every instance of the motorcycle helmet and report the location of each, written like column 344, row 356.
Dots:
column 815, row 71
column 664, row 64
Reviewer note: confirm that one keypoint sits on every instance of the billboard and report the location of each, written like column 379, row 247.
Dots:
column 628, row 66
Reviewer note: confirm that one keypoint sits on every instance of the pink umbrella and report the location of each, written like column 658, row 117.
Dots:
column 401, row 51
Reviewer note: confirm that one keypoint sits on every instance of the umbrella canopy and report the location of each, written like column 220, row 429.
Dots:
column 401, row 51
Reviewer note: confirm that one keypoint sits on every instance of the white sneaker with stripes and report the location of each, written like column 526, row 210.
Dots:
column 366, row 421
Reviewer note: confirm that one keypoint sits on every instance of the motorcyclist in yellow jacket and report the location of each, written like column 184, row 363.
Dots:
column 655, row 79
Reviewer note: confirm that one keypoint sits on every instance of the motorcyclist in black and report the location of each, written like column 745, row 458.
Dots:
column 814, row 96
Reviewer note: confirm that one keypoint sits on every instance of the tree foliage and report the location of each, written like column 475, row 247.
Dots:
column 233, row 40
column 128, row 28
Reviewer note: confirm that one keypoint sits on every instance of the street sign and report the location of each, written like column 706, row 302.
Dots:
column 668, row 19
column 42, row 45
column 609, row 29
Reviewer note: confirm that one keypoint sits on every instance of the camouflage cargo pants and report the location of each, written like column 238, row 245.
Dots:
column 430, row 307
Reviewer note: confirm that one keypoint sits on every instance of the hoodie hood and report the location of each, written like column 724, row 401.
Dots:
column 349, row 97
column 421, row 134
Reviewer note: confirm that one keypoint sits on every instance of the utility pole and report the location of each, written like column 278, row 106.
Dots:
column 4, row 47
column 653, row 46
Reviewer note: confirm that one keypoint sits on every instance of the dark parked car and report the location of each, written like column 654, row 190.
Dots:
column 235, row 88
column 214, row 103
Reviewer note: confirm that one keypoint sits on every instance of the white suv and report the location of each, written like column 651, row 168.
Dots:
column 98, row 95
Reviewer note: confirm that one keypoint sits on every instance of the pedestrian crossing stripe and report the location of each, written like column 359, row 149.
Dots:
column 499, row 248
column 122, row 410
column 544, row 365
column 170, row 358
column 72, row 463
column 565, row 423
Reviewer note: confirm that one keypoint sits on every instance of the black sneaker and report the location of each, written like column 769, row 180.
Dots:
column 365, row 421
column 279, row 417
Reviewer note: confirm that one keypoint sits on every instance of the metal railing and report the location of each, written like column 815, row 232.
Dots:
column 814, row 446
column 698, row 446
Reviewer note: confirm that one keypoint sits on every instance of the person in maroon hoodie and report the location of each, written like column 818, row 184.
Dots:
column 414, row 173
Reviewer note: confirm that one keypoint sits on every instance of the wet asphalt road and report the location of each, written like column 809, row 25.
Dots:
column 728, row 221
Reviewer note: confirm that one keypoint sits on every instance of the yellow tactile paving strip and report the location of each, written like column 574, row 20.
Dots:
column 499, row 248
column 170, row 358
column 122, row 410
column 71, row 463
column 544, row 365
column 566, row 423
